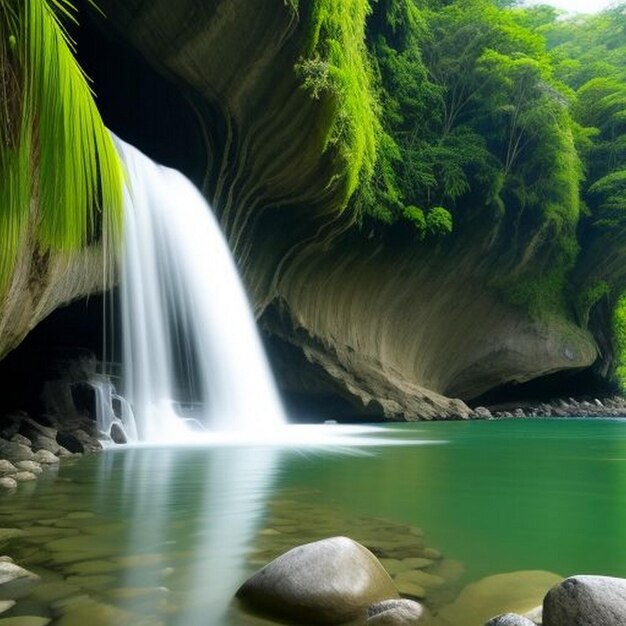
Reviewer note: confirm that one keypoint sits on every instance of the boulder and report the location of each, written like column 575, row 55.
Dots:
column 45, row 457
column 70, row 442
column 588, row 600
column 117, row 434
column 326, row 582
column 23, row 477
column 29, row 466
column 43, row 442
column 510, row 619
column 6, row 482
column 396, row 613
column 25, row 441
column 15, row 451
column 6, row 467
column 15, row 581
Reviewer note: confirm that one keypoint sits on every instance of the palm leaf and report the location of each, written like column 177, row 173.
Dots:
column 60, row 175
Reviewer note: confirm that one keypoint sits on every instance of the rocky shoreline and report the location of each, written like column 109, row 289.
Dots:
column 339, row 581
column 612, row 406
column 29, row 449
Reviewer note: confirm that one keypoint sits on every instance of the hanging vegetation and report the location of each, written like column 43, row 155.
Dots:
column 60, row 175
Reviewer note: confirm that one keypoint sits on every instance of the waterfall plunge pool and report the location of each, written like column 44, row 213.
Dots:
column 165, row 535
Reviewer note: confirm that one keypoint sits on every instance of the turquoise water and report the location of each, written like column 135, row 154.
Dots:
column 166, row 535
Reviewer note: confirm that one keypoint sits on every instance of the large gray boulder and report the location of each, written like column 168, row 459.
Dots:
column 397, row 613
column 586, row 601
column 510, row 619
column 326, row 582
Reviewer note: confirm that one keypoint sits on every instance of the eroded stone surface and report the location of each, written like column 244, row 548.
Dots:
column 397, row 613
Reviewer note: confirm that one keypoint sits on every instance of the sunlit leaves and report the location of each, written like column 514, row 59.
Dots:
column 59, row 171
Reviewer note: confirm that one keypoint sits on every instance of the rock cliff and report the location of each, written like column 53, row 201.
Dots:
column 396, row 326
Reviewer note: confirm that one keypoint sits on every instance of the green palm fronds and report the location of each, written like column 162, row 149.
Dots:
column 60, row 175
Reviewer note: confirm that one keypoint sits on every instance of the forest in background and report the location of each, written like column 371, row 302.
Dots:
column 460, row 112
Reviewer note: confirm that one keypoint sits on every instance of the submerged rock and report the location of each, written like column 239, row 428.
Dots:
column 396, row 613
column 25, row 620
column 15, row 581
column 588, row 600
column 326, row 582
column 510, row 619
column 518, row 592
column 5, row 605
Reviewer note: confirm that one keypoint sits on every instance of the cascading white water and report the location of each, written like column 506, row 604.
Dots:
column 184, row 309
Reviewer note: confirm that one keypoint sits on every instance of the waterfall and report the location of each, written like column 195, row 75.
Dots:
column 191, row 351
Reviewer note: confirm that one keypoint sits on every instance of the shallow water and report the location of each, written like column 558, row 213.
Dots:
column 166, row 535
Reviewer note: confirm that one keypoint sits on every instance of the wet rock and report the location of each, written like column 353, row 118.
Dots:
column 6, row 467
column 7, row 482
column 24, row 477
column 449, row 569
column 90, row 443
column 396, row 613
column 70, row 443
column 431, row 553
column 30, row 428
column 411, row 589
column 417, row 562
column 588, row 600
column 328, row 582
column 25, row 441
column 482, row 413
column 536, row 615
column 10, row 533
column 29, row 466
column 5, row 605
column 117, row 434
column 418, row 577
column 42, row 442
column 15, row 451
column 517, row 592
column 509, row 619
column 15, row 581
column 46, row 457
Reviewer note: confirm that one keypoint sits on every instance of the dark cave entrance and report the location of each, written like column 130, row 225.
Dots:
column 584, row 384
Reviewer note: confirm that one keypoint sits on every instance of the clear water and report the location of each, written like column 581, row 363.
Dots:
column 166, row 535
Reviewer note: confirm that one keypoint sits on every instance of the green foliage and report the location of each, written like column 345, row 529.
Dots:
column 619, row 341
column 61, row 179
column 439, row 221
column 335, row 66
column 416, row 216
column 589, row 298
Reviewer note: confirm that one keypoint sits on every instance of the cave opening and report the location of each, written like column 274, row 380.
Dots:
column 581, row 385
column 146, row 109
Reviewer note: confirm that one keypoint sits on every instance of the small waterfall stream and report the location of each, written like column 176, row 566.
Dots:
column 191, row 351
